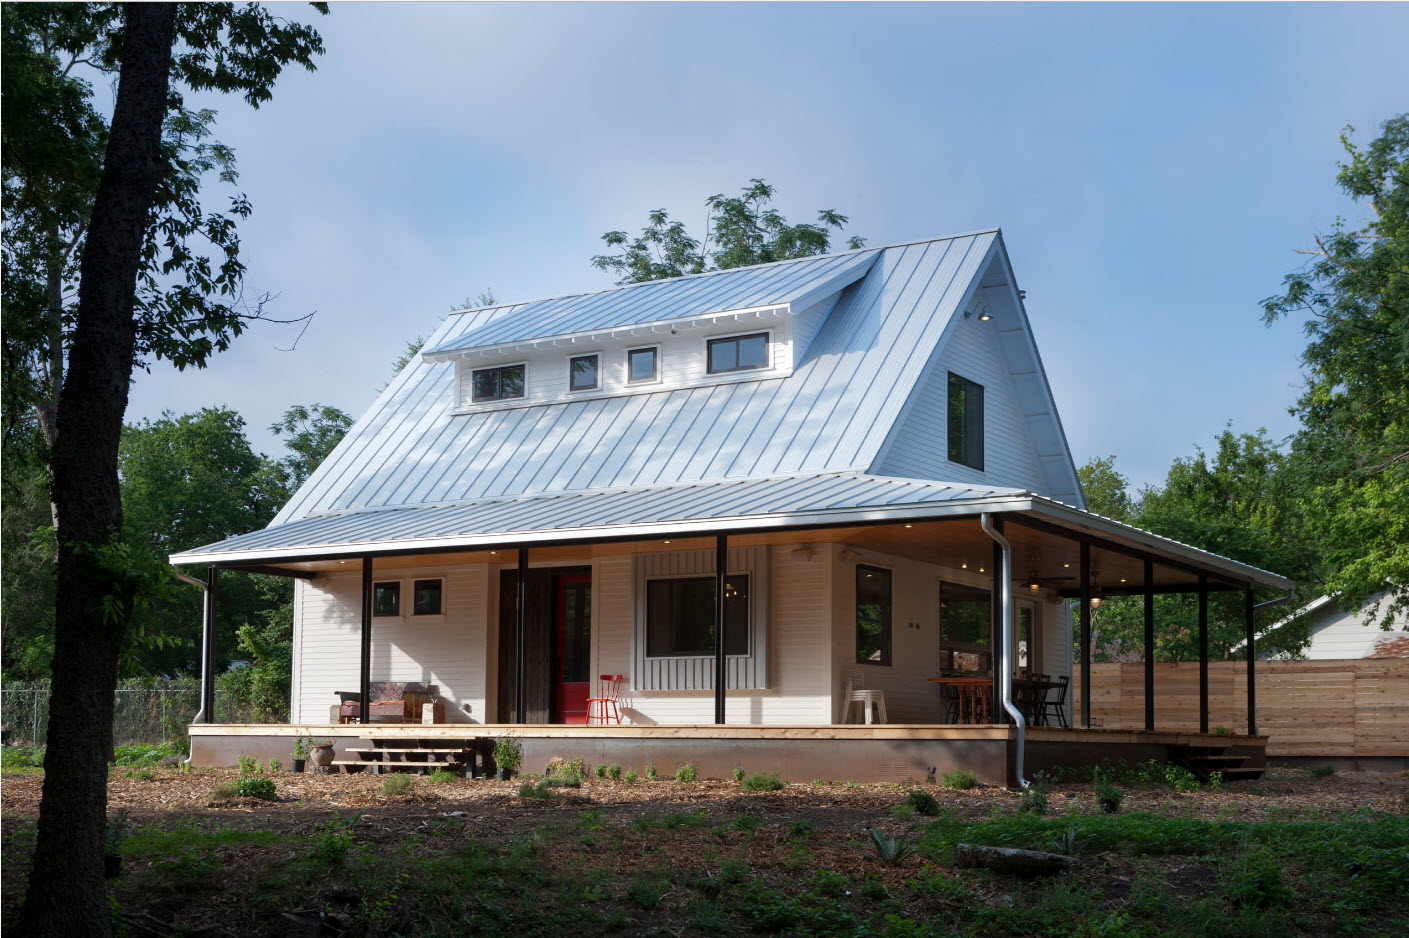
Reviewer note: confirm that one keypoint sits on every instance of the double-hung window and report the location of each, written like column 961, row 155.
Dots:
column 497, row 384
column 583, row 372
column 873, row 605
column 680, row 616
column 965, row 422
column 738, row 353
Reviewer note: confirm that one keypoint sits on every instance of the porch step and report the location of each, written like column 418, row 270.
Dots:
column 353, row 766
column 411, row 755
column 1232, row 762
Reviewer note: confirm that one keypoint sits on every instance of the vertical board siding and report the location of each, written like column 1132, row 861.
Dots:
column 1350, row 708
column 919, row 445
column 448, row 651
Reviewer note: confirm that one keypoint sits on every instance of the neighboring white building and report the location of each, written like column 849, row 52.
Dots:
column 1337, row 634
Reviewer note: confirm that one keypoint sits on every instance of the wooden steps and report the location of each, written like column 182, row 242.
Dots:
column 1231, row 761
column 423, row 756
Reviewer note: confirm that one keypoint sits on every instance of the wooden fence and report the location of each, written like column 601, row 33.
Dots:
column 1351, row 708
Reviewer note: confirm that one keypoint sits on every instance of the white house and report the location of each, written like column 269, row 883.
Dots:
column 867, row 438
column 1338, row 634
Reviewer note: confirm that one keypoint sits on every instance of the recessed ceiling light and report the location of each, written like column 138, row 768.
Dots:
column 342, row 561
column 1122, row 579
column 1067, row 566
column 980, row 569
column 909, row 525
column 493, row 552
column 665, row 542
column 963, row 566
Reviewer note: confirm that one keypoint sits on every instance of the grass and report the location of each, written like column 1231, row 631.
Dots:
column 686, row 772
column 397, row 784
column 761, row 781
column 958, row 781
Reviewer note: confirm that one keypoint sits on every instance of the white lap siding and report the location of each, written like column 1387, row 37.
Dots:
column 448, row 651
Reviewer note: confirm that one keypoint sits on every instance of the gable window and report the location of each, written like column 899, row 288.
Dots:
column 680, row 616
column 643, row 364
column 582, row 372
column 497, row 384
column 965, row 422
column 738, row 353
column 386, row 599
column 426, row 597
column 872, row 615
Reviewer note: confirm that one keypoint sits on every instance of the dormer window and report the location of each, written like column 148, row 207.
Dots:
column 738, row 353
column 497, row 384
column 584, row 372
column 643, row 364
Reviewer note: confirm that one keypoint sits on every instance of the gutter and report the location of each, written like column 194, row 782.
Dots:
column 1005, row 648
column 205, row 631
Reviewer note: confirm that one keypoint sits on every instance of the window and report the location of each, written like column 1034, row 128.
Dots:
column 965, row 422
column 582, row 372
column 386, row 599
column 965, row 629
column 680, row 616
column 738, row 353
column 426, row 597
column 872, row 615
column 643, row 364
column 497, row 384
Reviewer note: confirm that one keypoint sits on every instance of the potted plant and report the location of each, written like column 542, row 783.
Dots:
column 112, row 845
column 508, row 756
column 321, row 752
column 300, row 754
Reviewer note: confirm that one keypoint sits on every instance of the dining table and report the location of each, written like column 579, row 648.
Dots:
column 974, row 695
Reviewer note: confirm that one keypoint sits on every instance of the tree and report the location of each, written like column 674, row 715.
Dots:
column 203, row 47
column 309, row 433
column 1353, row 446
column 739, row 231
column 1107, row 491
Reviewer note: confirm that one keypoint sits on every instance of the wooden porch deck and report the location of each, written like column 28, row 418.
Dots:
column 892, row 752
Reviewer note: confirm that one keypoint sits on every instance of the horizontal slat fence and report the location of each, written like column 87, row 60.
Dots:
column 1351, row 708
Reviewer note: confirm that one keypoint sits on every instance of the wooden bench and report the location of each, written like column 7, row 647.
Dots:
column 392, row 702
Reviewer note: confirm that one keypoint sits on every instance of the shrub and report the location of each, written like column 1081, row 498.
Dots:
column 646, row 892
column 116, row 833
column 686, row 772
column 332, row 847
column 738, row 773
column 650, row 771
column 256, row 787
column 248, row 764
column 508, row 753
column 630, row 777
column 1255, row 881
column 613, row 771
column 539, row 791
column 959, row 781
column 800, row 829
column 923, row 803
column 568, row 779
column 1321, row 771
column 599, row 770
column 440, row 777
column 225, row 791
column 760, row 781
column 891, row 850
column 1108, row 796
column 396, row 784
column 1034, row 799
column 275, row 766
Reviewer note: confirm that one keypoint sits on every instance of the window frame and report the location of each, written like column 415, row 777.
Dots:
column 747, row 624
column 596, row 372
column 887, row 642
column 415, row 583
column 766, row 335
column 476, row 399
column 655, row 365
column 971, row 430
column 400, row 609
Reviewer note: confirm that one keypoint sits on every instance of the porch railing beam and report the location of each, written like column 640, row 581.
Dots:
column 521, row 639
column 1250, row 611
column 721, row 578
column 1149, row 645
column 1203, row 655
column 212, row 590
column 364, row 682
column 1086, row 634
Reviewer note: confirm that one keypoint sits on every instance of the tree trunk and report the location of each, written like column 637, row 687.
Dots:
column 66, row 888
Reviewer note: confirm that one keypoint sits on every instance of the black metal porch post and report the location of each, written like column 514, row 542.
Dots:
column 1149, row 645
column 1249, row 609
column 212, row 587
column 998, row 629
column 521, row 639
column 364, row 683
column 721, row 672
column 1203, row 653
column 1085, row 635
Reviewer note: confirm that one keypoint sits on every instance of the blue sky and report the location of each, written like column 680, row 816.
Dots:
column 1153, row 168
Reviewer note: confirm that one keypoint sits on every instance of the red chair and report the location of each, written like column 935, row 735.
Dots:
column 604, row 706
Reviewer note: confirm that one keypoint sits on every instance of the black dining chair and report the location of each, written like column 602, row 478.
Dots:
column 949, row 696
column 1057, row 706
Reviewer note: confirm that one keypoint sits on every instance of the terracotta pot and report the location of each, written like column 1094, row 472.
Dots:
column 321, row 755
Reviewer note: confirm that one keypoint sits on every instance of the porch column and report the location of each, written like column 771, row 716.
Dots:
column 1085, row 634
column 721, row 575
column 521, row 639
column 998, row 629
column 1203, row 653
column 1149, row 645
column 364, row 685
column 212, row 586
column 1249, row 610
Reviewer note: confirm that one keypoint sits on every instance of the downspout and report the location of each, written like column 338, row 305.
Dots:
column 1276, row 602
column 1005, row 648
column 205, row 611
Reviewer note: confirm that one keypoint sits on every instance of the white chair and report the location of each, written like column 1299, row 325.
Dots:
column 854, row 692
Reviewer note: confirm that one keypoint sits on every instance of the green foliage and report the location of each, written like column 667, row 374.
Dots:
column 225, row 791
column 397, row 784
column 763, row 781
column 508, row 753
column 256, row 787
column 799, row 830
column 146, row 753
column 923, row 803
column 1107, row 491
column 309, row 433
column 1321, row 771
column 1034, row 799
column 891, row 851
column 630, row 777
column 275, row 766
column 960, row 780
column 650, row 772
column 441, row 776
column 614, row 771
column 116, row 833
column 738, row 773
column 1108, row 796
column 540, row 791
column 248, row 764
column 686, row 772
column 600, row 771
column 1254, row 880
column 19, row 760
column 645, row 892
column 739, row 231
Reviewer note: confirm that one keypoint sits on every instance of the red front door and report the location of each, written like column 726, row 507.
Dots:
column 572, row 652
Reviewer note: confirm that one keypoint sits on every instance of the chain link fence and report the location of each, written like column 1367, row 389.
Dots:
column 142, row 713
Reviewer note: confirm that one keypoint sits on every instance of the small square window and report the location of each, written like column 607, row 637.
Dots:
column 386, row 599
column 582, row 372
column 497, row 384
column 426, row 597
column 643, row 364
column 738, row 353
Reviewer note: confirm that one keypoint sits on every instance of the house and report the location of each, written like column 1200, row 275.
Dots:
column 1337, row 634
column 860, row 452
